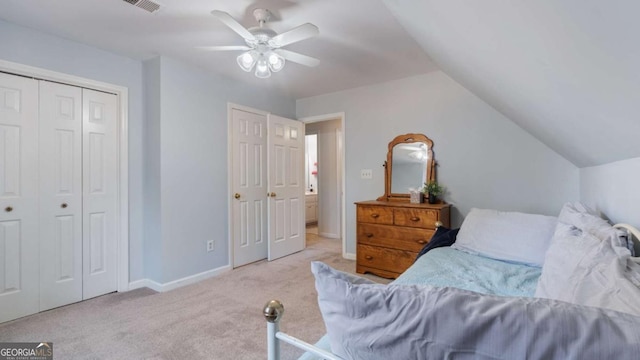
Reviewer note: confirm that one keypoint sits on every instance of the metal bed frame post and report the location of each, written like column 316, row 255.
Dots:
column 273, row 312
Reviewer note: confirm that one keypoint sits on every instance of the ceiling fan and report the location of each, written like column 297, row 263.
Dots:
column 263, row 47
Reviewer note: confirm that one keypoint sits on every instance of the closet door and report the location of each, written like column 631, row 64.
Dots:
column 19, row 255
column 249, row 186
column 100, row 191
column 60, row 194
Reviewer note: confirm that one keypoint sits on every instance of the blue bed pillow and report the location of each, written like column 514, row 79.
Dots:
column 442, row 237
column 374, row 321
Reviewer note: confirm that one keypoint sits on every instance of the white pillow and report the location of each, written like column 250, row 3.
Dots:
column 373, row 321
column 509, row 236
column 588, row 263
column 587, row 220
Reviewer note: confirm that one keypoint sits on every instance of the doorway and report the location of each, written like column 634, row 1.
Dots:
column 324, row 174
column 266, row 157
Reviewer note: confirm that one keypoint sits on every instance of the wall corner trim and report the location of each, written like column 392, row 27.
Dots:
column 349, row 256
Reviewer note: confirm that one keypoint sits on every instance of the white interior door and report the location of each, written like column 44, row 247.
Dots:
column 286, row 187
column 249, row 188
column 19, row 255
column 60, row 194
column 100, row 192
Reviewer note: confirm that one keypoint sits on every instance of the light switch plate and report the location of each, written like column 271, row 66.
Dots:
column 366, row 174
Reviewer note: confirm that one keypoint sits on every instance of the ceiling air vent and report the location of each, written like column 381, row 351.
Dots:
column 148, row 5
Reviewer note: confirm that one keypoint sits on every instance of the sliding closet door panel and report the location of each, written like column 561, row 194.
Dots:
column 60, row 194
column 99, row 173
column 19, row 255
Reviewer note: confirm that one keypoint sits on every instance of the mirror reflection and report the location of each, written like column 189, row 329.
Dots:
column 409, row 164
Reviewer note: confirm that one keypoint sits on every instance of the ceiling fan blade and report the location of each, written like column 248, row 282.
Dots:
column 233, row 24
column 297, row 57
column 296, row 34
column 224, row 48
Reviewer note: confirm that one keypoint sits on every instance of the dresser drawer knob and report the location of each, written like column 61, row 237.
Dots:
column 421, row 242
column 375, row 216
column 415, row 218
column 369, row 235
column 368, row 257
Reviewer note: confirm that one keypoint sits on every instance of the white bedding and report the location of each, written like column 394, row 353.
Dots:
column 588, row 264
column 371, row 321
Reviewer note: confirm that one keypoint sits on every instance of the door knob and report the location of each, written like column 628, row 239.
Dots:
column 272, row 194
column 64, row 205
column 236, row 195
column 8, row 209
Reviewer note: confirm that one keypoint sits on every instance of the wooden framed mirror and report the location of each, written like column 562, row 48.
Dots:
column 410, row 163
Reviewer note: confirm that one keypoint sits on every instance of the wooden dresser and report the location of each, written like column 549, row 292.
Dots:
column 390, row 234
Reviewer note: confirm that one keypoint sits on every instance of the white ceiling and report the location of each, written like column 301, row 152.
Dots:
column 360, row 41
column 567, row 71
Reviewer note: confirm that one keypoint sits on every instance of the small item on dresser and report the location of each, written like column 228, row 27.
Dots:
column 432, row 190
column 416, row 196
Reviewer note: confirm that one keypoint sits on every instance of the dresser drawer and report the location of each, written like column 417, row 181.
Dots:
column 395, row 237
column 392, row 260
column 375, row 215
column 422, row 218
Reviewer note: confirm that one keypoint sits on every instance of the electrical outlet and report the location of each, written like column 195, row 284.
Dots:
column 366, row 174
column 209, row 245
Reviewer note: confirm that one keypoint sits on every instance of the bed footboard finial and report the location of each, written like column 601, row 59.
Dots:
column 273, row 311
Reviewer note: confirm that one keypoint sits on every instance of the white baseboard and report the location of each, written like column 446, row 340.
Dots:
column 188, row 280
column 139, row 284
column 329, row 235
column 349, row 256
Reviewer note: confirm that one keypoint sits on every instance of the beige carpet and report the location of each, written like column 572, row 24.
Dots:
column 219, row 318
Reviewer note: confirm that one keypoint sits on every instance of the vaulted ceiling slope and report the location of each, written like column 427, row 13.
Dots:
column 568, row 71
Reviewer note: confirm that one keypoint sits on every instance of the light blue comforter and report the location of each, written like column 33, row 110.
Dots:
column 447, row 267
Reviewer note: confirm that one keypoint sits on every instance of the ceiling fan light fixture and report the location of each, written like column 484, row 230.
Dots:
column 263, row 49
column 262, row 68
column 247, row 60
column 276, row 62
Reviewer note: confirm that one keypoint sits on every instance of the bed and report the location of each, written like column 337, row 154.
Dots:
column 579, row 275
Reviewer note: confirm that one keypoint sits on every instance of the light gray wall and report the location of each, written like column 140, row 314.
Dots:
column 485, row 160
column 193, row 165
column 152, row 234
column 565, row 71
column 34, row 48
column 328, row 189
column 613, row 189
